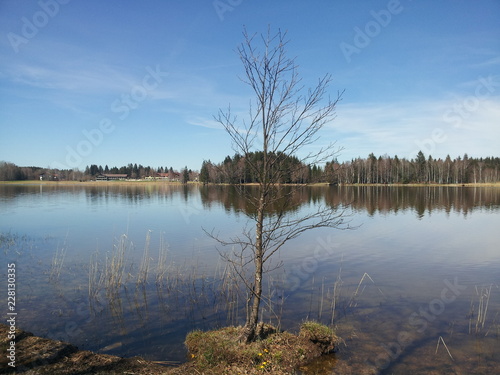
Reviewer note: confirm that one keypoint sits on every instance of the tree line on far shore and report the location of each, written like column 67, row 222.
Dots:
column 12, row 172
column 371, row 170
column 235, row 170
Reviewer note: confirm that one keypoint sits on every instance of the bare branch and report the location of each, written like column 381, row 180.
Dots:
column 283, row 122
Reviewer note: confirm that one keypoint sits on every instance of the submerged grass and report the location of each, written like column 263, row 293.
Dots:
column 144, row 268
column 58, row 262
column 115, row 264
column 97, row 278
column 484, row 295
column 218, row 300
column 161, row 267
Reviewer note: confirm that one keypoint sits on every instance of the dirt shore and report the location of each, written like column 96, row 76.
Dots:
column 36, row 355
column 212, row 353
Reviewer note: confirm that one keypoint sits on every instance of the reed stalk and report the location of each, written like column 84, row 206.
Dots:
column 115, row 265
column 336, row 292
column 57, row 262
column 144, row 268
column 484, row 301
column 161, row 267
column 440, row 339
column 353, row 298
column 96, row 277
column 494, row 324
column 471, row 314
column 322, row 299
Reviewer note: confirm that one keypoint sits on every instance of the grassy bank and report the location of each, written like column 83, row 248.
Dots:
column 275, row 352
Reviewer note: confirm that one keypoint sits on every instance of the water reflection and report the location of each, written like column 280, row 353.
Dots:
column 372, row 199
column 138, row 194
column 421, row 200
column 412, row 238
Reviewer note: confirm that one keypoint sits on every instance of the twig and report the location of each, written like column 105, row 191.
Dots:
column 359, row 284
column 446, row 347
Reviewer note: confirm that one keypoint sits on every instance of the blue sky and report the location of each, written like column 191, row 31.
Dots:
column 118, row 82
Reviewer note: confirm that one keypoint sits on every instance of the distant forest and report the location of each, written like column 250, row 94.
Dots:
column 371, row 170
column 235, row 170
column 12, row 172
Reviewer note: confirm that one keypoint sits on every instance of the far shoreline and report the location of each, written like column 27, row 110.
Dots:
column 177, row 183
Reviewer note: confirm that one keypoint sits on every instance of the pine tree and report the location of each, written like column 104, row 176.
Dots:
column 204, row 175
column 185, row 175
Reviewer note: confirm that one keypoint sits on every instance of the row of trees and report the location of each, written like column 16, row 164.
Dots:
column 236, row 170
column 135, row 171
column 371, row 170
column 12, row 172
column 389, row 170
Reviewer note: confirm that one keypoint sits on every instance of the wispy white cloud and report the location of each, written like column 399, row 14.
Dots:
column 83, row 79
column 435, row 127
column 204, row 122
column 490, row 62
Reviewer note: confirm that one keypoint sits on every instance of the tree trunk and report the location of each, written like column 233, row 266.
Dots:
column 252, row 320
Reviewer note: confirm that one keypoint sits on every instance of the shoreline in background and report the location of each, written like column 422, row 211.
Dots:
column 176, row 183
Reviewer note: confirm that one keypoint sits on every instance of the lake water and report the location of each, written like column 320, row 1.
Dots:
column 414, row 287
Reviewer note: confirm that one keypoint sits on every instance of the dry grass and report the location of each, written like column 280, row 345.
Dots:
column 482, row 309
column 221, row 352
column 161, row 267
column 115, row 265
column 58, row 262
column 96, row 279
column 142, row 277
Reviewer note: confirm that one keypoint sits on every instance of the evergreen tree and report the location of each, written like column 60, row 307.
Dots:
column 420, row 166
column 204, row 175
column 185, row 175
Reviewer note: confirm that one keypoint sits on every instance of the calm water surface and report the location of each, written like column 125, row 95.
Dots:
column 420, row 267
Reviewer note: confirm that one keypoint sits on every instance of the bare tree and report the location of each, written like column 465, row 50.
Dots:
column 283, row 120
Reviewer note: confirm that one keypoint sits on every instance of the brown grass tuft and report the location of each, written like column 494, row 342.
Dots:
column 221, row 352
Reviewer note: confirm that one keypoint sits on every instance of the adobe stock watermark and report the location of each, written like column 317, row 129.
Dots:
column 31, row 26
column 364, row 36
column 458, row 113
column 462, row 110
column 223, row 6
column 309, row 265
column 188, row 210
column 67, row 334
column 121, row 107
column 419, row 321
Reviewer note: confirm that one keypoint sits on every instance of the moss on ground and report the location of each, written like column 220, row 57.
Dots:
column 275, row 352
